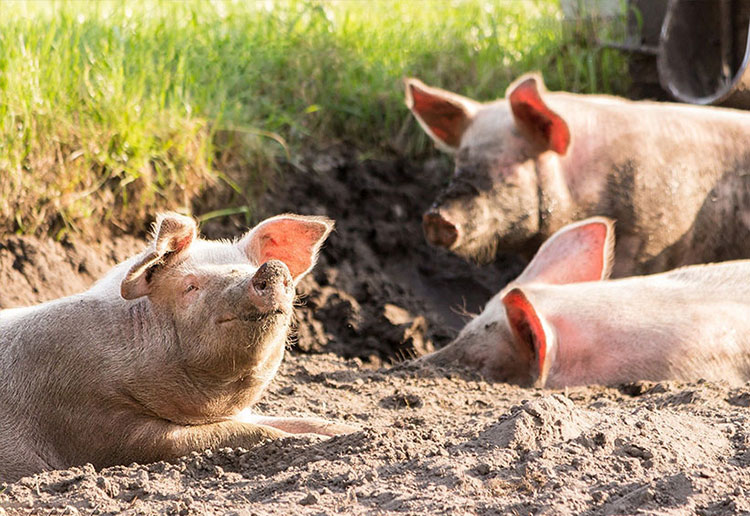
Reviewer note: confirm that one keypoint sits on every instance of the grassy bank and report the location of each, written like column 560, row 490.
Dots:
column 113, row 110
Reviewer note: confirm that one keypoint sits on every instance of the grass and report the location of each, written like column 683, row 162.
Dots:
column 112, row 110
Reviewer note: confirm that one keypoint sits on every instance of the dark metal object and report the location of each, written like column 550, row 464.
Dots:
column 645, row 19
column 704, row 52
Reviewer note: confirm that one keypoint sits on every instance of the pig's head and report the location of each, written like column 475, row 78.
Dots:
column 224, row 306
column 492, row 201
column 511, row 340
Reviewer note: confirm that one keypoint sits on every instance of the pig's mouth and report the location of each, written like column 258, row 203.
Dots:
column 251, row 317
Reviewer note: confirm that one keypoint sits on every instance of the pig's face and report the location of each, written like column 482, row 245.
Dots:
column 227, row 306
column 487, row 344
column 232, row 319
column 492, row 201
column 494, row 168
column 512, row 340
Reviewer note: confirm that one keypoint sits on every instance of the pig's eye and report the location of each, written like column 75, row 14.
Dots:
column 190, row 288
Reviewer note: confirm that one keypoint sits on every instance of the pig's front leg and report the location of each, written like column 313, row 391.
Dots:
column 226, row 434
column 158, row 440
column 297, row 425
column 154, row 442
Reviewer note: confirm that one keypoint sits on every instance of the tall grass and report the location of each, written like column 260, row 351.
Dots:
column 111, row 110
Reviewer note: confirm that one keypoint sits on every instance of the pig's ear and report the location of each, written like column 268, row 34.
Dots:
column 293, row 239
column 531, row 338
column 534, row 118
column 173, row 234
column 582, row 251
column 442, row 114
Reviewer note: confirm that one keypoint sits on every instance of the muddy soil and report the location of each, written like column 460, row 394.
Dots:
column 431, row 441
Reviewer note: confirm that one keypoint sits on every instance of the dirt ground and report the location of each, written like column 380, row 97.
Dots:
column 431, row 441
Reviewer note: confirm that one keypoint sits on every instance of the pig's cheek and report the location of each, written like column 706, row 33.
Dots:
column 189, row 298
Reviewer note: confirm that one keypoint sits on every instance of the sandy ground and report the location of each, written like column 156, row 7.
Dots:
column 431, row 441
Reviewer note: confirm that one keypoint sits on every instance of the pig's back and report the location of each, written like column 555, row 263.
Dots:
column 727, row 280
column 646, row 110
column 686, row 324
column 656, row 295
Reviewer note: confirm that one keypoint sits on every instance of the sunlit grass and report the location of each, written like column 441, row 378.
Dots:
column 111, row 110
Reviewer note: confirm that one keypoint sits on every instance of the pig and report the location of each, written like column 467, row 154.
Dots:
column 675, row 177
column 162, row 356
column 563, row 323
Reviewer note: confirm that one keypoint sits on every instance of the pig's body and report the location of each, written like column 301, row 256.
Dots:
column 682, row 325
column 685, row 324
column 676, row 178
column 98, row 378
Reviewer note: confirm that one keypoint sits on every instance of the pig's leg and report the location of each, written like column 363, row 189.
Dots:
column 307, row 425
column 157, row 441
column 297, row 425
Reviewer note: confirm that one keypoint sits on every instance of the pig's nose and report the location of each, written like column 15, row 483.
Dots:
column 272, row 278
column 438, row 230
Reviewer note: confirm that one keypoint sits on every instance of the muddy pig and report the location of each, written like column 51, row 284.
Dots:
column 675, row 177
column 159, row 358
column 562, row 322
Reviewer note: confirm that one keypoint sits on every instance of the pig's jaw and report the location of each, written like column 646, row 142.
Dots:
column 480, row 241
column 222, row 384
column 483, row 248
column 478, row 250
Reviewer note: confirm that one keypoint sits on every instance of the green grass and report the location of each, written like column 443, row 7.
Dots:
column 114, row 110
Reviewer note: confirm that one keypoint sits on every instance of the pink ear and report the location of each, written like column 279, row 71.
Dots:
column 443, row 115
column 529, row 333
column 536, row 120
column 292, row 239
column 582, row 251
column 173, row 234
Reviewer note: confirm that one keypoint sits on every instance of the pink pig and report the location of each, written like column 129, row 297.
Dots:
column 563, row 323
column 675, row 177
column 163, row 356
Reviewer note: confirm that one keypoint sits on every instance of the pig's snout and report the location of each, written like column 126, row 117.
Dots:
column 272, row 286
column 438, row 230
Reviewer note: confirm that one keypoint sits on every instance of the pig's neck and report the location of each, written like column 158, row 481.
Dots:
column 557, row 206
column 570, row 186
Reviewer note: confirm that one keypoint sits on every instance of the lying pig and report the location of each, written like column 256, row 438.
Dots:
column 675, row 177
column 561, row 322
column 160, row 357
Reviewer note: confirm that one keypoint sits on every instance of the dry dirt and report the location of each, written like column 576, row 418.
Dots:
column 432, row 441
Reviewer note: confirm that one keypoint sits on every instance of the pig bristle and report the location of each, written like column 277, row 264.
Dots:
column 299, row 300
column 291, row 340
column 292, row 337
column 462, row 311
column 401, row 356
